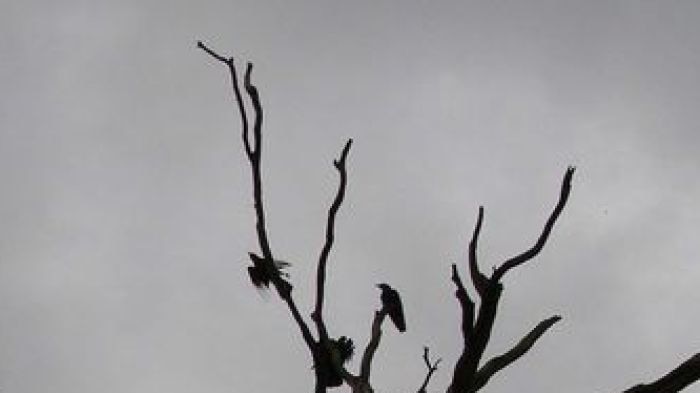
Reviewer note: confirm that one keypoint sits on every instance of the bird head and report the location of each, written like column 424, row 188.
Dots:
column 383, row 286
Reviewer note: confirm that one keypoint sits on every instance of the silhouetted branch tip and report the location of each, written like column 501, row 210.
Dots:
column 478, row 279
column 431, row 366
column 340, row 162
column 544, row 235
column 248, row 72
column 213, row 54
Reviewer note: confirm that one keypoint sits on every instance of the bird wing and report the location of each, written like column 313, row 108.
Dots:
column 399, row 319
column 392, row 302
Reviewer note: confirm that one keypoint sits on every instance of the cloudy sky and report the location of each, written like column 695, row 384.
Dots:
column 125, row 214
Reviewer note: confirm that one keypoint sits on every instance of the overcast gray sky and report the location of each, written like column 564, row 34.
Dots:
column 125, row 214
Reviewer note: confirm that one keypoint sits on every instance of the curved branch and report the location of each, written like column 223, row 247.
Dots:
column 330, row 236
column 532, row 252
column 676, row 380
column 467, row 306
column 479, row 279
column 432, row 367
column 366, row 365
column 257, row 107
column 236, row 92
column 500, row 362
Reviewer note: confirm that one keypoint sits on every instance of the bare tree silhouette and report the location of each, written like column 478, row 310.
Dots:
column 329, row 354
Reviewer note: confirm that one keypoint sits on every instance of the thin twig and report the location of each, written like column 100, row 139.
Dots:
column 478, row 279
column 432, row 367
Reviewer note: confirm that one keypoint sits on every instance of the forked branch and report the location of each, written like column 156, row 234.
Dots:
column 476, row 329
column 532, row 252
column 431, row 366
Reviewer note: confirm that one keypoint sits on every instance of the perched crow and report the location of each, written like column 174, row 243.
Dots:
column 391, row 302
column 327, row 375
column 345, row 348
column 262, row 271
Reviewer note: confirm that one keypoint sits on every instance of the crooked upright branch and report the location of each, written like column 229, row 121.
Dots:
column 469, row 375
column 330, row 236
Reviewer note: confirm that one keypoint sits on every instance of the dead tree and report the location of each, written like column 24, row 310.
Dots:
column 329, row 354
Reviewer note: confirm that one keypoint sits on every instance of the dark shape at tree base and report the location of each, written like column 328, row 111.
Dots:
column 326, row 373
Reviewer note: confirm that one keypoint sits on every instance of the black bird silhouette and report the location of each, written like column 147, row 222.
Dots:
column 262, row 271
column 326, row 373
column 345, row 348
column 391, row 302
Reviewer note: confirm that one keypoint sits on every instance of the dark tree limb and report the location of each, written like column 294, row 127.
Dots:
column 467, row 306
column 479, row 279
column 254, row 155
column 317, row 314
column 468, row 362
column 330, row 236
column 500, row 362
column 676, row 380
column 431, row 366
column 372, row 345
column 532, row 252
column 237, row 94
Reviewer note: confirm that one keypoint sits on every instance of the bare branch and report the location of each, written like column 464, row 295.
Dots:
column 431, row 366
column 366, row 365
column 676, row 380
column 479, row 279
column 257, row 107
column 500, row 362
column 213, row 54
column 472, row 353
column 330, row 236
column 467, row 306
column 236, row 92
column 529, row 254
